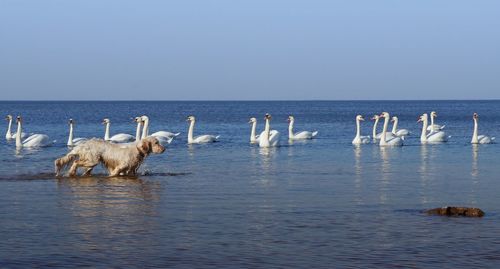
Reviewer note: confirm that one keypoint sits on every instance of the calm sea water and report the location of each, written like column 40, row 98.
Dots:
column 318, row 204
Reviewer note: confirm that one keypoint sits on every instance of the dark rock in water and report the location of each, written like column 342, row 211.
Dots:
column 456, row 211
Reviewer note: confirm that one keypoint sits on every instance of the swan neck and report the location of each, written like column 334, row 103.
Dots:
column 9, row 132
column 375, row 129
column 106, row 133
column 395, row 126
column 145, row 129
column 190, row 132
column 474, row 135
column 252, row 134
column 384, row 131
column 138, row 131
column 18, row 134
column 290, row 129
column 70, row 138
column 432, row 123
column 358, row 128
column 423, row 136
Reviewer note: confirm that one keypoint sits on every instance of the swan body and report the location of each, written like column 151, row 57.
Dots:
column 269, row 138
column 359, row 139
column 434, row 136
column 33, row 141
column 201, row 139
column 254, row 139
column 394, row 141
column 400, row 132
column 300, row 135
column 376, row 137
column 9, row 135
column 479, row 139
column 434, row 127
column 118, row 138
column 163, row 137
column 73, row 141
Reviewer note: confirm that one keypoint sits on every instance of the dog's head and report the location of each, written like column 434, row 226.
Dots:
column 150, row 145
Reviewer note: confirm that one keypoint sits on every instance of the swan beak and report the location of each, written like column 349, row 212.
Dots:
column 361, row 119
column 419, row 119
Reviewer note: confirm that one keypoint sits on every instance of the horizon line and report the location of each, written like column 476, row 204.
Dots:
column 251, row 100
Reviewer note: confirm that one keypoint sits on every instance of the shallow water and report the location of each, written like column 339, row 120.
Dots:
column 320, row 203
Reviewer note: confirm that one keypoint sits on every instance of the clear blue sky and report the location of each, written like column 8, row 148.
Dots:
column 249, row 50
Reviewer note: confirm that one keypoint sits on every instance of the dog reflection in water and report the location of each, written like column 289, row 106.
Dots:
column 118, row 159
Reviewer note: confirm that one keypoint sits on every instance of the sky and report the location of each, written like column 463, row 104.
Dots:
column 249, row 50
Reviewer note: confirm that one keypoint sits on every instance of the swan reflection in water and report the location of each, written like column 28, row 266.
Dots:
column 358, row 171
column 474, row 173
column 423, row 171
column 386, row 170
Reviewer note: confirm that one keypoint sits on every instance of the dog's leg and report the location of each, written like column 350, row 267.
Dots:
column 88, row 172
column 73, row 170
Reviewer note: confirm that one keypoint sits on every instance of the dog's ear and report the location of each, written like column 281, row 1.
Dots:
column 144, row 146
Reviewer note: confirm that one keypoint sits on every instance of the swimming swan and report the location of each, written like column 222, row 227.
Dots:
column 201, row 138
column 300, row 135
column 33, row 141
column 394, row 141
column 479, row 139
column 433, row 137
column 434, row 127
column 359, row 139
column 73, row 141
column 164, row 137
column 9, row 135
column 254, row 139
column 269, row 138
column 395, row 131
column 118, row 138
column 376, row 137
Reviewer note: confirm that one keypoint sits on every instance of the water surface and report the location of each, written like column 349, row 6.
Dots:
column 320, row 203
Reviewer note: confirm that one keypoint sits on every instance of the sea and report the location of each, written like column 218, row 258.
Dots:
column 321, row 203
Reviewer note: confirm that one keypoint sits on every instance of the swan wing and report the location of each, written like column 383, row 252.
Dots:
column 205, row 139
column 122, row 138
column 402, row 132
column 164, row 140
column 37, row 140
column 79, row 140
column 365, row 139
column 274, row 138
column 303, row 135
column 438, row 136
column 395, row 141
column 165, row 134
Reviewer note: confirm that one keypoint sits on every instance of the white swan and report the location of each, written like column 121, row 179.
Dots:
column 164, row 137
column 434, row 127
column 201, row 138
column 73, row 141
column 254, row 139
column 300, row 135
column 394, row 141
column 33, row 141
column 432, row 137
column 9, row 135
column 376, row 137
column 118, row 138
column 395, row 131
column 269, row 138
column 138, row 120
column 359, row 139
column 479, row 139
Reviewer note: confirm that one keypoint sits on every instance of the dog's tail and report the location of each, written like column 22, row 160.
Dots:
column 64, row 161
